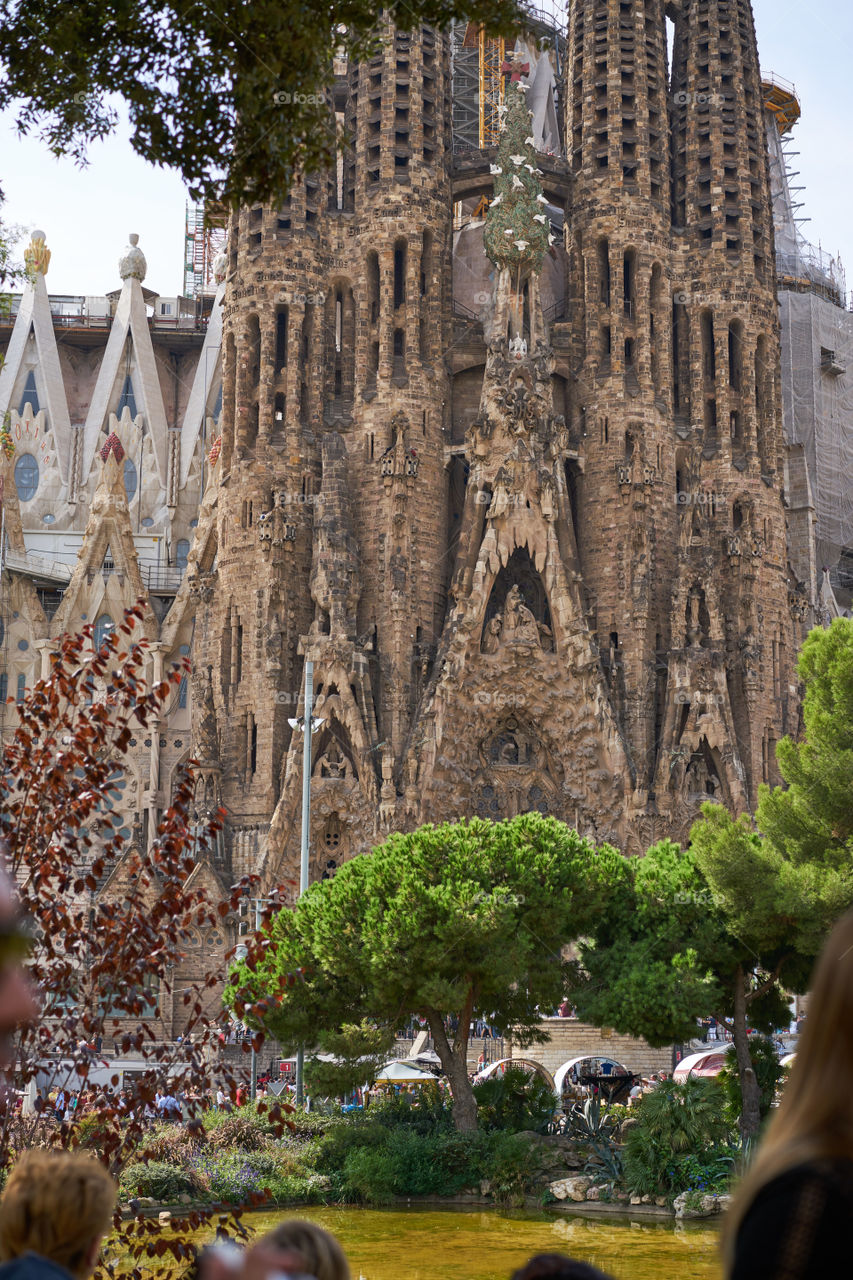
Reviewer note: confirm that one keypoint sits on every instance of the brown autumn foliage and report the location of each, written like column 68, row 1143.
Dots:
column 101, row 960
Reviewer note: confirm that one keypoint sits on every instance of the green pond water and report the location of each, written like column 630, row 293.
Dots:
column 466, row 1244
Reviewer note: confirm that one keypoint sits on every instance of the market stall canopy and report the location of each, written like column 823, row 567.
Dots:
column 609, row 1066
column 708, row 1063
column 400, row 1072
column 503, row 1064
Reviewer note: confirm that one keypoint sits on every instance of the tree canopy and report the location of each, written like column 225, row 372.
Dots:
column 449, row 923
column 234, row 96
column 729, row 926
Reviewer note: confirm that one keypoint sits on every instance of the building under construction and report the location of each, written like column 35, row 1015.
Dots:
column 817, row 373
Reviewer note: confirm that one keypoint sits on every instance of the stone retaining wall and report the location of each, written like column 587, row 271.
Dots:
column 569, row 1038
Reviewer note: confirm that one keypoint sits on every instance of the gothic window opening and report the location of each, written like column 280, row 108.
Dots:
column 518, row 611
column 30, row 395
column 399, row 368
column 709, row 355
column 629, row 282
column 126, row 400
column 372, row 287
column 735, row 355
column 399, row 273
column 603, row 250
column 282, row 320
column 26, row 477
column 103, row 627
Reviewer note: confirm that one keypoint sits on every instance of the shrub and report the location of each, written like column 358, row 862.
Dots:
column 243, row 1129
column 368, row 1174
column 675, row 1121
column 768, row 1071
column 515, row 1101
column 161, row 1181
column 173, row 1144
column 708, row 1173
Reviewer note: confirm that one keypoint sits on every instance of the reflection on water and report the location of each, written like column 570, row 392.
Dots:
column 427, row 1244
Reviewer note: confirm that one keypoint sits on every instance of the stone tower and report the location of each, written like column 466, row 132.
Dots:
column 330, row 523
column 537, row 555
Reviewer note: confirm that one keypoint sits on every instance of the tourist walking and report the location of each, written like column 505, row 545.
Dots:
column 56, row 1209
column 790, row 1219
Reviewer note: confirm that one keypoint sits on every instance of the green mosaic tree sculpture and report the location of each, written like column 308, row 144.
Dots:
column 517, row 234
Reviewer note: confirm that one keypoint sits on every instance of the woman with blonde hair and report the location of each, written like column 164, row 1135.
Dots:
column 320, row 1253
column 791, row 1215
column 55, row 1210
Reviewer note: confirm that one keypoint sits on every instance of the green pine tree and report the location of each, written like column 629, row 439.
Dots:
column 517, row 233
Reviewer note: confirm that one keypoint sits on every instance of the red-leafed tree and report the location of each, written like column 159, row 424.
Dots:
column 111, row 918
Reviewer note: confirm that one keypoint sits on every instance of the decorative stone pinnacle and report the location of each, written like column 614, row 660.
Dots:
column 514, row 237
column 132, row 264
column 37, row 254
column 114, row 446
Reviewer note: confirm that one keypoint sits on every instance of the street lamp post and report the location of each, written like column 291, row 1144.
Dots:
column 309, row 726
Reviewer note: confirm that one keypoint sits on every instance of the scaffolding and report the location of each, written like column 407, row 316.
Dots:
column 206, row 229
column 492, row 55
column 781, row 97
column 478, row 63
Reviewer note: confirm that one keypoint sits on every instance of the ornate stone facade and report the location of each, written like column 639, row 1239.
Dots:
column 537, row 551
column 577, row 600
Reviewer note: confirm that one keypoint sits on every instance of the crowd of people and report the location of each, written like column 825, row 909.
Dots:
column 789, row 1218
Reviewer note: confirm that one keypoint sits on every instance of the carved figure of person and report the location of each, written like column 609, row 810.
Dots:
column 519, row 621
column 492, row 634
column 332, row 764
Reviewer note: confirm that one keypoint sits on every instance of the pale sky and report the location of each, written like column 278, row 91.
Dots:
column 88, row 213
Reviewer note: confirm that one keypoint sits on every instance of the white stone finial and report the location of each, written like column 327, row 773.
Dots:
column 132, row 264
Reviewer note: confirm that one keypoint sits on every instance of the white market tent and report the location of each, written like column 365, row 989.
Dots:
column 503, row 1064
column 616, row 1068
column 709, row 1062
column 401, row 1072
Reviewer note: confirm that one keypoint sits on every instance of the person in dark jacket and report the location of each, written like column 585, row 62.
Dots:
column 790, row 1219
column 556, row 1266
column 55, row 1210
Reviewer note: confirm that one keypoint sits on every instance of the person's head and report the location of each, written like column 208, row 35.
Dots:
column 17, row 998
column 556, row 1266
column 815, row 1116
column 57, row 1204
column 320, row 1252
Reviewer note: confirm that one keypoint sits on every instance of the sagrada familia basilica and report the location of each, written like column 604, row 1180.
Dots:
column 486, row 422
